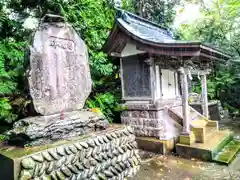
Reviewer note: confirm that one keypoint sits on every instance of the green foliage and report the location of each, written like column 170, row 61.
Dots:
column 92, row 19
column 160, row 11
column 217, row 25
column 11, row 71
column 3, row 137
column 107, row 103
column 128, row 5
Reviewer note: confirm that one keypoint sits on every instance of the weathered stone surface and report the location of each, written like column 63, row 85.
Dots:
column 66, row 161
column 38, row 157
column 59, row 76
column 53, row 153
column 45, row 129
column 25, row 175
column 46, row 156
column 28, row 163
column 145, row 123
column 84, row 144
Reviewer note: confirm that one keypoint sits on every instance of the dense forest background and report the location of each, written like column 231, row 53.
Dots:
column 217, row 24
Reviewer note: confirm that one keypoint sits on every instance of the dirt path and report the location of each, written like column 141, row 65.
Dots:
column 172, row 167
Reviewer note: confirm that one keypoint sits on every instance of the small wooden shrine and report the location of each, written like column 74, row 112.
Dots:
column 155, row 71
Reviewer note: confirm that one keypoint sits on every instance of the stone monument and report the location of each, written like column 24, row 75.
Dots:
column 63, row 140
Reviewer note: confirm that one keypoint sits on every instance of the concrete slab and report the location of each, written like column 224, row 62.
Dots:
column 207, row 150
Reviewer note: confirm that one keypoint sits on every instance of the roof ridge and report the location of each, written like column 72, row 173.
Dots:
column 120, row 12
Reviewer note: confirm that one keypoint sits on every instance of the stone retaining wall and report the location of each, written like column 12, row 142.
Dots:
column 150, row 120
column 145, row 122
column 111, row 155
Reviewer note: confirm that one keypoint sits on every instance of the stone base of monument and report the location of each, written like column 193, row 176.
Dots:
column 40, row 130
column 106, row 154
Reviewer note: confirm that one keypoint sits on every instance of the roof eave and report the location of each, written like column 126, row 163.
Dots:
column 225, row 56
column 105, row 47
column 201, row 47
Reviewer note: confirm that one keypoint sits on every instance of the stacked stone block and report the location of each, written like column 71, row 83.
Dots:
column 145, row 120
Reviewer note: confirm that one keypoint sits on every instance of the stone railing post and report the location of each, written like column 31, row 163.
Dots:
column 185, row 107
column 159, row 119
column 204, row 96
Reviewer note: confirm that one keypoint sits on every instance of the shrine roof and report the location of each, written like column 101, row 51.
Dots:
column 152, row 37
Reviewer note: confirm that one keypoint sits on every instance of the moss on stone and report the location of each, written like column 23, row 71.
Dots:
column 227, row 154
column 18, row 152
column 13, row 152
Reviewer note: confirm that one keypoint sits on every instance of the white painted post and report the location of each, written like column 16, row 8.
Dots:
column 185, row 106
column 204, row 95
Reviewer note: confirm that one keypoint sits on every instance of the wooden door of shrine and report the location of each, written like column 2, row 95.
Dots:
column 168, row 84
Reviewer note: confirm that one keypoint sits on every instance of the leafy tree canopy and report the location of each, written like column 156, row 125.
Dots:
column 160, row 11
column 92, row 19
column 218, row 24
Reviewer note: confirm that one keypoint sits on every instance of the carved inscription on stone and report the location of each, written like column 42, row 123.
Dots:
column 59, row 78
column 64, row 44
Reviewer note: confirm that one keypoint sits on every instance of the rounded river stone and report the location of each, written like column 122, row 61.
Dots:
column 105, row 139
column 47, row 156
column 68, row 151
column 53, row 153
column 28, row 163
column 91, row 143
column 66, row 171
column 60, row 175
column 38, row 157
column 78, row 146
column 100, row 139
column 79, row 166
column 108, row 173
column 73, row 169
column 61, row 151
column 85, row 174
column 42, row 169
column 73, row 149
column 25, row 174
column 54, row 176
column 84, row 144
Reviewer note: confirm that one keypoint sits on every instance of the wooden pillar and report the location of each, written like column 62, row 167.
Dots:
column 121, row 76
column 185, row 106
column 204, row 95
column 151, row 64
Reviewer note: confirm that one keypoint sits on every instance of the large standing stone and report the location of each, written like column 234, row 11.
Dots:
column 59, row 76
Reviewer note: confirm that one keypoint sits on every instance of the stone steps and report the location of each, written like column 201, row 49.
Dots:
column 201, row 128
column 210, row 131
column 207, row 150
column 229, row 151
